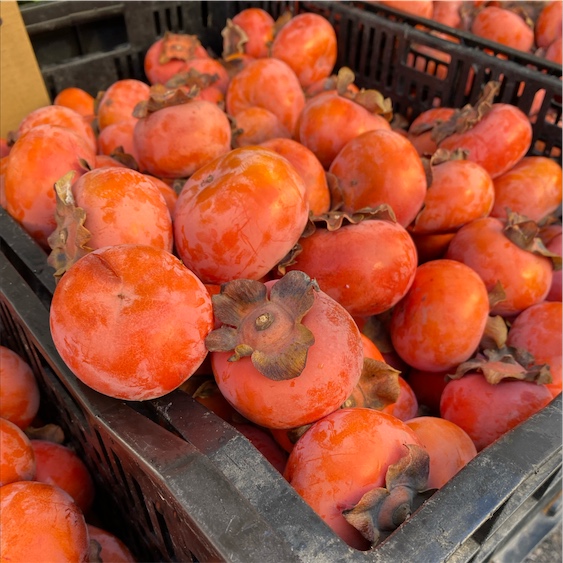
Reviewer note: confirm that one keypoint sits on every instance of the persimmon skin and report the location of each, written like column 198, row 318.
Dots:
column 175, row 141
column 113, row 549
column 137, row 315
column 432, row 328
column 309, row 168
column 308, row 44
column 259, row 28
column 428, row 387
column 41, row 522
column 256, row 125
column 406, row 405
column 269, row 83
column 380, row 167
column 486, row 412
column 123, row 207
column 532, row 187
column 423, row 142
column 240, row 215
column 538, row 329
column 555, row 245
column 119, row 134
column 510, row 132
column 119, row 100
column 461, row 190
column 328, row 121
column 37, row 160
column 503, row 26
column 19, row 392
column 333, row 368
column 342, row 457
column 17, row 461
column 57, row 464
column 449, row 447
column 547, row 28
column 77, row 99
column 525, row 277
column 372, row 275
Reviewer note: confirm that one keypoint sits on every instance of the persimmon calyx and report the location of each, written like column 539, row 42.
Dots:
column 495, row 334
column 234, row 39
column 192, row 77
column 377, row 388
column 49, row 432
column 525, row 233
column 467, row 117
column 268, row 329
column 383, row 509
column 162, row 96
column 68, row 242
column 125, row 158
column 178, row 46
column 507, row 362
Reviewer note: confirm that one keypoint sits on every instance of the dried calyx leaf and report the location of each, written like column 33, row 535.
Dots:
column 50, row 433
column 234, row 39
column 125, row 158
column 269, row 330
column 374, row 101
column 377, row 388
column 468, row 116
column 505, row 363
column 525, row 233
column 439, row 157
column 162, row 97
column 68, row 242
column 495, row 334
column 190, row 78
column 178, row 46
column 376, row 328
column 496, row 294
column 383, row 509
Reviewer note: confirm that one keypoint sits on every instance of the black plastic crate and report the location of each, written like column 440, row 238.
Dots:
column 187, row 484
column 83, row 44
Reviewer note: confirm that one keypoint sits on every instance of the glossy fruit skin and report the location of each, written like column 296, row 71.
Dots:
column 486, row 411
column 17, row 461
column 19, row 392
column 329, row 121
column 461, row 190
column 268, row 83
column 37, row 160
column 406, row 406
column 259, row 28
column 555, row 245
column 308, row 167
column 240, row 215
column 525, row 277
column 119, row 134
column 510, row 134
column 538, row 329
column 41, row 522
column 428, row 387
column 372, row 274
column 123, row 207
column 57, row 464
column 421, row 8
column 254, row 125
column 77, row 99
column 333, row 368
column 548, row 24
column 307, row 43
column 433, row 328
column 422, row 141
column 343, row 456
column 174, row 142
column 503, row 26
column 113, row 549
column 119, row 101
column 154, row 310
column 449, row 447
column 380, row 167
column 532, row 187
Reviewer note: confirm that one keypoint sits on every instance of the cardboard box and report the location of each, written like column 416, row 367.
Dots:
column 23, row 88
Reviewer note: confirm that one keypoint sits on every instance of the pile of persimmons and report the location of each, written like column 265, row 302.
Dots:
column 370, row 304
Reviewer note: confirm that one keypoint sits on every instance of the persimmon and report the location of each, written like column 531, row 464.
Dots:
column 254, row 125
column 421, row 8
column 484, row 245
column 381, row 167
column 547, row 27
column 62, row 117
column 449, row 447
column 130, row 321
column 503, row 26
column 532, row 187
column 406, row 405
column 239, row 215
column 287, row 353
column 447, row 12
column 419, row 132
column 19, row 391
column 103, row 160
column 538, row 330
column 17, row 460
column 428, row 387
column 76, row 99
column 37, row 160
column 430, row 246
column 58, row 465
column 168, row 193
column 112, row 548
column 269, row 83
column 309, row 168
column 4, row 147
column 118, row 134
column 41, row 522
column 250, row 31
column 119, row 100
column 307, row 43
column 554, row 52
column 555, row 245
column 174, row 141
column 431, row 327
column 213, row 71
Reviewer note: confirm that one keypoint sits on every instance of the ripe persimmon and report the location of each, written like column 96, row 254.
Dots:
column 77, row 99
column 17, row 460
column 249, row 32
column 113, row 550
column 119, row 100
column 254, row 125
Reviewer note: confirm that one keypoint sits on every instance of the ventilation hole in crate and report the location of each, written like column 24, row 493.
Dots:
column 104, row 456
column 122, row 478
column 164, row 532
column 141, row 501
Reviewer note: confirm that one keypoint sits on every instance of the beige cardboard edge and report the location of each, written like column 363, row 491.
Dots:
column 22, row 88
